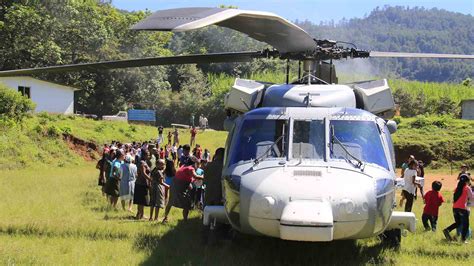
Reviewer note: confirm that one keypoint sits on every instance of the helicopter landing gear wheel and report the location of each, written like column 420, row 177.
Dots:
column 392, row 238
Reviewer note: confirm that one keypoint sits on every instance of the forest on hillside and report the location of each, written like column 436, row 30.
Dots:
column 37, row 33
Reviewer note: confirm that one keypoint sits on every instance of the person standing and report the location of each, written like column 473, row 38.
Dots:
column 462, row 195
column 176, row 136
column 101, row 167
column 113, row 186
column 420, row 172
column 409, row 176
column 433, row 199
column 179, row 191
column 464, row 171
column 179, row 153
column 405, row 164
column 193, row 136
column 158, row 188
column 160, row 135
column 185, row 158
column 213, row 195
column 127, row 182
column 141, row 196
column 170, row 136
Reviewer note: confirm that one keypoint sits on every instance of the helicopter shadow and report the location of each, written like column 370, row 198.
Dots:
column 182, row 245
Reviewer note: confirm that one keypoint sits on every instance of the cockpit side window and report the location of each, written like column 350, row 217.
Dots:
column 259, row 138
column 308, row 139
column 388, row 137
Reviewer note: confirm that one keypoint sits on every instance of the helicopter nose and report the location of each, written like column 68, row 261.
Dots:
column 307, row 220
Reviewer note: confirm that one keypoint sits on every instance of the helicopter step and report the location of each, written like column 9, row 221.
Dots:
column 402, row 220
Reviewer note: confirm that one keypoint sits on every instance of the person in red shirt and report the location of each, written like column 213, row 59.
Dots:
column 433, row 199
column 193, row 136
column 179, row 192
column 462, row 195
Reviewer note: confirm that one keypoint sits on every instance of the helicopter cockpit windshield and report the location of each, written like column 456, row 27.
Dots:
column 308, row 139
column 260, row 138
column 359, row 141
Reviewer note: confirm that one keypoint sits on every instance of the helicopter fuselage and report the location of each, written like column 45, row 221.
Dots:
column 285, row 177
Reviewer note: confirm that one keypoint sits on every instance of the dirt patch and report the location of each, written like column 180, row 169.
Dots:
column 86, row 149
column 449, row 180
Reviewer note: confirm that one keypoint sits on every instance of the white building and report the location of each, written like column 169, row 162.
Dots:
column 49, row 97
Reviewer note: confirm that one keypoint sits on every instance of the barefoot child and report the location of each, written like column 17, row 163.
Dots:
column 433, row 199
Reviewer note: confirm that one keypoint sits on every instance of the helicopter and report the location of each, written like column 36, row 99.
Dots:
column 308, row 160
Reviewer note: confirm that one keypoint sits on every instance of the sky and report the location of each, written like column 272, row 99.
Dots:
column 312, row 10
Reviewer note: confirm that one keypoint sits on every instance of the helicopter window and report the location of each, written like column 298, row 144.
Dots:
column 308, row 139
column 361, row 139
column 390, row 145
column 259, row 139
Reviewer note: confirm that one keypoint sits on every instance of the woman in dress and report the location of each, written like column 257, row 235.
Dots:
column 141, row 196
column 158, row 188
column 179, row 191
column 113, row 183
column 127, row 182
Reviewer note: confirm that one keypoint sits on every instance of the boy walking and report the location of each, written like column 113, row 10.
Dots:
column 433, row 199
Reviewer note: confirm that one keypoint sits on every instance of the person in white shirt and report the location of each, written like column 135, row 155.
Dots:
column 409, row 188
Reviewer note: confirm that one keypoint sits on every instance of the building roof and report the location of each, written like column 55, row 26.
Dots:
column 40, row 80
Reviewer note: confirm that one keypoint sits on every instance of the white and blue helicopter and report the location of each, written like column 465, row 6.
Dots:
column 309, row 160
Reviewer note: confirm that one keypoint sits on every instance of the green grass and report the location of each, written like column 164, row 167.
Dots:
column 59, row 216
column 432, row 90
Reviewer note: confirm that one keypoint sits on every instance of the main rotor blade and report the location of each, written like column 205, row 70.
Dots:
column 266, row 27
column 420, row 55
column 141, row 62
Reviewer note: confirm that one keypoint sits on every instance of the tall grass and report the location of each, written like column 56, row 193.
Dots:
column 432, row 90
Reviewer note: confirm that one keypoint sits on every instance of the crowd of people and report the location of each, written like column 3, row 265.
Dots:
column 413, row 180
column 160, row 175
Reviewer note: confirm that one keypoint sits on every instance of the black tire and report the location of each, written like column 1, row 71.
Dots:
column 392, row 238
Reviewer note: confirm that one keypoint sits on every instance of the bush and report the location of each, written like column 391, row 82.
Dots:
column 13, row 105
column 53, row 131
column 420, row 122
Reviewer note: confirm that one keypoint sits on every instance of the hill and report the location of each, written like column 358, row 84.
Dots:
column 401, row 29
column 67, row 141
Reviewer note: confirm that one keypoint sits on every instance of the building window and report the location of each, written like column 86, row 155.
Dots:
column 25, row 91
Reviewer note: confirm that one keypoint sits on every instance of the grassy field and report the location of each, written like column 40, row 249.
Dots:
column 58, row 216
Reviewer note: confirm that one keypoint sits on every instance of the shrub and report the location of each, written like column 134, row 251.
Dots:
column 100, row 128
column 420, row 122
column 66, row 130
column 53, row 131
column 13, row 105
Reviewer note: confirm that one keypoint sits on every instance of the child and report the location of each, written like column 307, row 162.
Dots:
column 198, row 186
column 462, row 195
column 433, row 199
